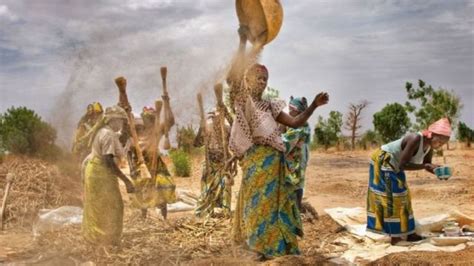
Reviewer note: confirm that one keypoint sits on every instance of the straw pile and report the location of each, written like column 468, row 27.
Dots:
column 144, row 242
column 180, row 241
column 37, row 185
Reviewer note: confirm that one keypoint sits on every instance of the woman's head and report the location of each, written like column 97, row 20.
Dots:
column 148, row 115
column 115, row 117
column 297, row 105
column 256, row 79
column 437, row 141
column 94, row 109
column 439, row 133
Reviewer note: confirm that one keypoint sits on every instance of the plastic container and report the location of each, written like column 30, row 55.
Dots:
column 443, row 172
column 451, row 229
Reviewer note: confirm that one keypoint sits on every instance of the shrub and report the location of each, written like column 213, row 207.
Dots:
column 369, row 139
column 181, row 163
column 465, row 134
column 22, row 131
column 185, row 137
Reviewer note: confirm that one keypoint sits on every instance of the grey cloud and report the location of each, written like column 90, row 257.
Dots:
column 59, row 56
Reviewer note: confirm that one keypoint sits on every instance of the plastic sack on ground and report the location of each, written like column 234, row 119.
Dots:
column 180, row 207
column 49, row 220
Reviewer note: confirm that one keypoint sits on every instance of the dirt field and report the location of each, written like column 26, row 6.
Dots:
column 334, row 179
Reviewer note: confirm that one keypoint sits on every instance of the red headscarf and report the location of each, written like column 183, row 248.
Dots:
column 440, row 127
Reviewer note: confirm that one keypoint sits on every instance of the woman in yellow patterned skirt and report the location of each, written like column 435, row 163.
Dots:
column 267, row 217
column 103, row 206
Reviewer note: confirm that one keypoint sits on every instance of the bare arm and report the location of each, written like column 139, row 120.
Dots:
column 241, row 62
column 298, row 121
column 237, row 69
column 429, row 166
column 411, row 146
column 412, row 142
column 109, row 161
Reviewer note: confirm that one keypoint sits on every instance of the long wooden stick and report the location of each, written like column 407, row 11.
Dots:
column 204, row 130
column 123, row 102
column 168, row 113
column 221, row 118
column 156, row 138
column 9, row 178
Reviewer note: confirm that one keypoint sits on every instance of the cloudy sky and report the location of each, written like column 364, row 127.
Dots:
column 57, row 56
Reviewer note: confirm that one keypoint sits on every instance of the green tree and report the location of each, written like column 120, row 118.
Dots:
column 392, row 122
column 434, row 104
column 328, row 132
column 465, row 133
column 22, row 131
column 368, row 139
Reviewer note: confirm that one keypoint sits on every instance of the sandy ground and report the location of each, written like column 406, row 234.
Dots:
column 340, row 178
column 334, row 179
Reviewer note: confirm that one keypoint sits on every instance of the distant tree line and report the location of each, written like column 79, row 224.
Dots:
column 424, row 102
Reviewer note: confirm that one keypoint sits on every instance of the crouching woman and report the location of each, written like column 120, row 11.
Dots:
column 389, row 208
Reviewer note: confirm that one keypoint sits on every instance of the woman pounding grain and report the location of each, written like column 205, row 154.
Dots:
column 267, row 217
column 103, row 206
column 389, row 209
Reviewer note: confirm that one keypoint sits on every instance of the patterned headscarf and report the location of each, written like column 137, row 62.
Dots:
column 440, row 127
column 298, row 104
column 258, row 69
column 95, row 107
column 115, row 112
column 251, row 75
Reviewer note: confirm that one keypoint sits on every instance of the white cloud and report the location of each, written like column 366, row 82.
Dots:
column 6, row 14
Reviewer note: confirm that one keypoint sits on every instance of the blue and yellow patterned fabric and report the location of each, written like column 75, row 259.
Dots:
column 389, row 209
column 214, row 193
column 267, row 216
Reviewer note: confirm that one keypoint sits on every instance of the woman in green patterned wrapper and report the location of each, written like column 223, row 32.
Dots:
column 103, row 206
column 214, row 195
column 297, row 142
column 267, row 218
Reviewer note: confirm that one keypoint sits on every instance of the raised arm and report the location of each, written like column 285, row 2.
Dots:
column 299, row 120
column 241, row 62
